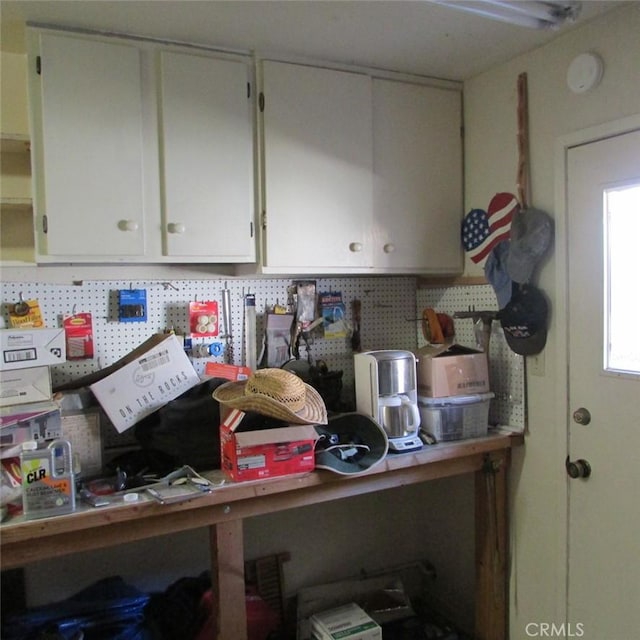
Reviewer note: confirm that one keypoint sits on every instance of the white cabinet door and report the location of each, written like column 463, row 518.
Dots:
column 317, row 163
column 417, row 178
column 88, row 145
column 207, row 158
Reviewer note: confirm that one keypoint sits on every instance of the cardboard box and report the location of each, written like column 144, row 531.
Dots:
column 348, row 622
column 23, row 348
column 38, row 421
column 250, row 453
column 384, row 598
column 21, row 386
column 451, row 370
column 141, row 386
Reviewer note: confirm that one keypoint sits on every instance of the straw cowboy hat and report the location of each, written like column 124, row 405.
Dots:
column 275, row 393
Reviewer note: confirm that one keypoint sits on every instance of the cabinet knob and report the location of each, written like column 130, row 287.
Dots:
column 389, row 247
column 176, row 227
column 128, row 225
column 355, row 247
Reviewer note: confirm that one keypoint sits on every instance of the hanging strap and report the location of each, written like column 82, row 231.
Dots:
column 523, row 142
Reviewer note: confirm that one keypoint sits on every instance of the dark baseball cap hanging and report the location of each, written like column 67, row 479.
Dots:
column 524, row 320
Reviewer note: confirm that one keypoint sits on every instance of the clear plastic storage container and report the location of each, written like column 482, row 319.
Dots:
column 455, row 417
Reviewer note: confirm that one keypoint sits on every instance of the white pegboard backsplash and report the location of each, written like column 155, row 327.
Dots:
column 390, row 307
column 386, row 304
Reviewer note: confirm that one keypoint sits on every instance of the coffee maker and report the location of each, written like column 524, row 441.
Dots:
column 386, row 390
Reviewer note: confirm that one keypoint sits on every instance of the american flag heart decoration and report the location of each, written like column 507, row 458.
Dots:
column 483, row 230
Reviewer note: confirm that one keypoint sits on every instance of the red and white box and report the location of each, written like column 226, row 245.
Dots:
column 255, row 454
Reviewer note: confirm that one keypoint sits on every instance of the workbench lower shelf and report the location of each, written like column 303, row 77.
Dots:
column 224, row 509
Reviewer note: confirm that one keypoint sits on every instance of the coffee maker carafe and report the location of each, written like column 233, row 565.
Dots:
column 386, row 390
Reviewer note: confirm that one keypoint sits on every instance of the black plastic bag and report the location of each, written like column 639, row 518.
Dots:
column 187, row 428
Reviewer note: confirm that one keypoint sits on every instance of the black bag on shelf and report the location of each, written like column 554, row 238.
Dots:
column 187, row 428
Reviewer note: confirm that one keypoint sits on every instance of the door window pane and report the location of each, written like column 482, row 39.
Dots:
column 622, row 275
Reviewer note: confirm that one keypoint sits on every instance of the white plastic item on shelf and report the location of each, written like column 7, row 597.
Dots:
column 455, row 417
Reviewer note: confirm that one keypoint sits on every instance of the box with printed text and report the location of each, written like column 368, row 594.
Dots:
column 22, row 348
column 347, row 622
column 21, row 386
column 145, row 383
column 452, row 370
column 253, row 447
column 38, row 421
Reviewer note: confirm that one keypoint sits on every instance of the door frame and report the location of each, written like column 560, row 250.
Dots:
column 562, row 410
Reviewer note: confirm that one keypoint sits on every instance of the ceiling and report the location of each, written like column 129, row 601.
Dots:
column 417, row 37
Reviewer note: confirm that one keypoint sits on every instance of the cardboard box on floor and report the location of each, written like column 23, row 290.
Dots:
column 451, row 370
column 349, row 622
column 384, row 598
column 251, row 452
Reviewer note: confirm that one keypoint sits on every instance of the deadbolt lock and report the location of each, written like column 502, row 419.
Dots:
column 582, row 416
column 577, row 468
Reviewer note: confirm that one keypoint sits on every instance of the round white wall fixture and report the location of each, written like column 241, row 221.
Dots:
column 585, row 72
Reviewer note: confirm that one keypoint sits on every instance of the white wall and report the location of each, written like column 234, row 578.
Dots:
column 539, row 478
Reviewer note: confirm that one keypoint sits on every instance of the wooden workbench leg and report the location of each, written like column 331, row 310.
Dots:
column 227, row 580
column 491, row 548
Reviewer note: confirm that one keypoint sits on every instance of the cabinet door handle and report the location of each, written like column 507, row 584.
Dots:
column 355, row 247
column 389, row 247
column 176, row 227
column 128, row 225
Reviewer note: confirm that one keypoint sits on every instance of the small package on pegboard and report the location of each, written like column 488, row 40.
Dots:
column 78, row 334
column 203, row 319
column 132, row 305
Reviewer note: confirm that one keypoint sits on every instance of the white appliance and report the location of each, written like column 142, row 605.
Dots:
column 386, row 390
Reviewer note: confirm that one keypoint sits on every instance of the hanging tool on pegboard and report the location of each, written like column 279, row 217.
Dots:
column 226, row 318
column 249, row 357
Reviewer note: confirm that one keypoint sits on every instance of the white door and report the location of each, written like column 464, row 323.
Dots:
column 604, row 388
column 207, row 158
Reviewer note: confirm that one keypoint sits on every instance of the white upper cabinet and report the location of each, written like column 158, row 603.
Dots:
column 317, row 169
column 207, row 158
column 417, row 201
column 89, row 199
column 142, row 153
column 361, row 174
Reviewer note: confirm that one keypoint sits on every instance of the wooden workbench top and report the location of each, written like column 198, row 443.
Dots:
column 24, row 541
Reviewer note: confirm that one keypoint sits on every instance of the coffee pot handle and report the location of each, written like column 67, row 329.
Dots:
column 414, row 413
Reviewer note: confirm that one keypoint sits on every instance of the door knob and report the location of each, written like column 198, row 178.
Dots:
column 582, row 416
column 577, row 468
